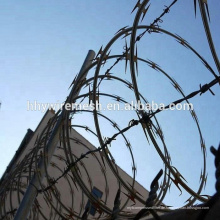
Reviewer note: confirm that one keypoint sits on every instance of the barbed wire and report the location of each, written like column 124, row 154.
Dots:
column 108, row 142
column 75, row 172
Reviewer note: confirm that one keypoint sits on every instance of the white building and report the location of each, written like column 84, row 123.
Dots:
column 68, row 198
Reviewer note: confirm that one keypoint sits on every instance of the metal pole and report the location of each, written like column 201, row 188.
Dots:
column 31, row 192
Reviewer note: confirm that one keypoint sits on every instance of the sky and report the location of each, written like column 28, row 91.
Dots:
column 44, row 43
